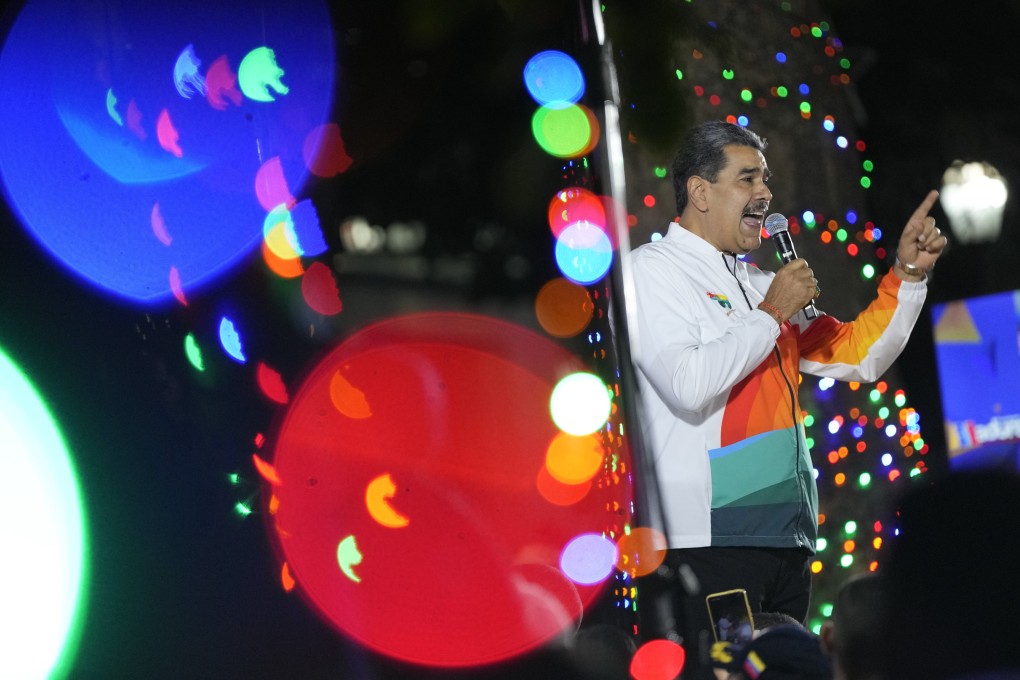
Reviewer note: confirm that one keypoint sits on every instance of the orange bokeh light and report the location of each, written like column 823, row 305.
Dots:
column 572, row 459
column 563, row 308
column 641, row 551
column 558, row 493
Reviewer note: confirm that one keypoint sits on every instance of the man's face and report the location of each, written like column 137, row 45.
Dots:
column 738, row 200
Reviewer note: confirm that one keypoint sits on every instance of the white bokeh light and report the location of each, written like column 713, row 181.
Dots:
column 973, row 196
column 41, row 574
column 580, row 404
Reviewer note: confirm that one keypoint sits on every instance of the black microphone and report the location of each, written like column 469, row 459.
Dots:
column 778, row 229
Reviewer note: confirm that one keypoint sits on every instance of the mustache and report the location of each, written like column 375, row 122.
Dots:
column 761, row 206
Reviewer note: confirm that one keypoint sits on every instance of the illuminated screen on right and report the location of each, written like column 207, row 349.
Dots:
column 977, row 348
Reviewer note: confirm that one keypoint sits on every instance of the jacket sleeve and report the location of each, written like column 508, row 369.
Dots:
column 685, row 372
column 863, row 349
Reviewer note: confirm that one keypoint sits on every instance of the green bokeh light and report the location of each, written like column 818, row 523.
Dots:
column 562, row 132
column 193, row 352
column 258, row 73
column 41, row 576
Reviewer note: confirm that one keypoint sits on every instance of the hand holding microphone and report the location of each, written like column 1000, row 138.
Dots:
column 795, row 285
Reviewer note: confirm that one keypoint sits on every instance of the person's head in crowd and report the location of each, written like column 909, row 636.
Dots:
column 763, row 621
column 953, row 609
column 783, row 652
column 602, row 652
column 853, row 635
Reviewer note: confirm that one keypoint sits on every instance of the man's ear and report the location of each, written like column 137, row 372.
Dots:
column 697, row 192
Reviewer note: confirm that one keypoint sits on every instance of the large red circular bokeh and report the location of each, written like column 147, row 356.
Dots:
column 454, row 408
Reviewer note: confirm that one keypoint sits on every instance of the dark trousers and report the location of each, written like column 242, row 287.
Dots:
column 776, row 580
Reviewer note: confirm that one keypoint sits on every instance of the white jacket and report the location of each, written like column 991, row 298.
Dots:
column 718, row 380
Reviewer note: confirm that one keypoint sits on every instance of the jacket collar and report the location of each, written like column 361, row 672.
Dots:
column 690, row 241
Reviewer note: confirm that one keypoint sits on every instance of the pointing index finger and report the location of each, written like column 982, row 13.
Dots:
column 925, row 207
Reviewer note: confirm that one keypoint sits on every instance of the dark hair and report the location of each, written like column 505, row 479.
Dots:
column 857, row 618
column 765, row 620
column 702, row 153
column 788, row 651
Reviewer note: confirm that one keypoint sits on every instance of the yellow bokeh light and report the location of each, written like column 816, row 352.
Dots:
column 573, row 460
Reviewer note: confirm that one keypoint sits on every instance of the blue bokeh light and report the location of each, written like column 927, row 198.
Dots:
column 589, row 559
column 583, row 253
column 554, row 79
column 231, row 341
column 101, row 134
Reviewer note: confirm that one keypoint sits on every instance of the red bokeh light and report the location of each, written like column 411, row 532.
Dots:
column 271, row 383
column 573, row 205
column 456, row 413
column 319, row 290
column 658, row 660
column 324, row 151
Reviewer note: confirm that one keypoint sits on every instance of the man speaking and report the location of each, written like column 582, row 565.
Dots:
column 720, row 348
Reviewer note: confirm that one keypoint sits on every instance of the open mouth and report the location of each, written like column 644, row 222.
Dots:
column 752, row 219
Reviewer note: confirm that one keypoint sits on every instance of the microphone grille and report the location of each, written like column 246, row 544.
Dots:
column 776, row 223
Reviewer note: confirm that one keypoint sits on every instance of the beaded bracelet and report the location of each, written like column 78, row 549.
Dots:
column 771, row 311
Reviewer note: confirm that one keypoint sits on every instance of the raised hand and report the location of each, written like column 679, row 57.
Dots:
column 921, row 242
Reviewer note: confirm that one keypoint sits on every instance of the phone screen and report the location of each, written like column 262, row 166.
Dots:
column 731, row 616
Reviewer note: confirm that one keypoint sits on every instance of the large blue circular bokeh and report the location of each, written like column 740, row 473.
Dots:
column 85, row 185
